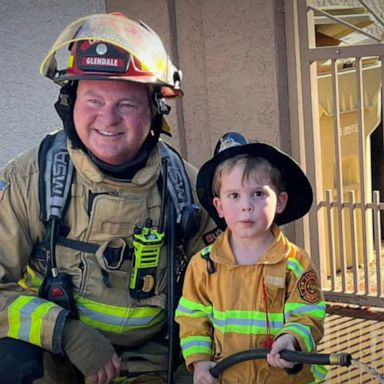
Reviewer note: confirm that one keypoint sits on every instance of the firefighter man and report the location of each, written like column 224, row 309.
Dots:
column 91, row 219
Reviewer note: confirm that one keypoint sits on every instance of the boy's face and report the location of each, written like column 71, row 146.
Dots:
column 248, row 206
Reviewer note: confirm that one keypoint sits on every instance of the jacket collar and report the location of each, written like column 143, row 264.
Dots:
column 278, row 251
column 144, row 177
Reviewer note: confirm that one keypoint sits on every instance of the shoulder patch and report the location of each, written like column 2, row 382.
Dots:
column 308, row 287
column 211, row 236
column 3, row 186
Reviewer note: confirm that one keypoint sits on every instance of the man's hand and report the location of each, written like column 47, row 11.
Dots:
column 89, row 351
column 105, row 374
column 201, row 374
column 285, row 341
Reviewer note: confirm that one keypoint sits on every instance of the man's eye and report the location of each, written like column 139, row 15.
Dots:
column 94, row 101
column 127, row 105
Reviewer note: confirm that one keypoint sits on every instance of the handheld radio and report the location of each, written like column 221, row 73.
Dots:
column 147, row 243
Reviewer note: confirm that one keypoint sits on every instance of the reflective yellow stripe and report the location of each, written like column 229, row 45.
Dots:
column 13, row 320
column 35, row 330
column 30, row 281
column 25, row 318
column 36, row 280
column 23, row 283
column 118, row 319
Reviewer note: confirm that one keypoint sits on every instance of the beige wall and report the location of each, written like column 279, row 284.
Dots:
column 232, row 54
column 27, row 32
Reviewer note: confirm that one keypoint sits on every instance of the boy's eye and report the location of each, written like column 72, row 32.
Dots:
column 258, row 193
column 234, row 195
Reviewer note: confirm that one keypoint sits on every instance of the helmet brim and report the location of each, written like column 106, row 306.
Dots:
column 298, row 187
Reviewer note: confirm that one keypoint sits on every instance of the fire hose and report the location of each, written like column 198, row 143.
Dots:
column 341, row 359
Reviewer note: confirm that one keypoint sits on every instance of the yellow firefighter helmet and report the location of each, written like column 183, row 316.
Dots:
column 111, row 46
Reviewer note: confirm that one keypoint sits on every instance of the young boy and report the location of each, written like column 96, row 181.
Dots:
column 252, row 288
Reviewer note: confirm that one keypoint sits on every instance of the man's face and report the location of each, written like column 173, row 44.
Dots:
column 112, row 118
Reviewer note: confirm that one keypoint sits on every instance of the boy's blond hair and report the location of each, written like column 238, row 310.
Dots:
column 251, row 165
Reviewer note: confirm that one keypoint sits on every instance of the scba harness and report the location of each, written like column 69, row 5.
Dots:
column 55, row 180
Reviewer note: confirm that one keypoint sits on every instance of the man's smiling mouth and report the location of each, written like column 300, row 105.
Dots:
column 106, row 133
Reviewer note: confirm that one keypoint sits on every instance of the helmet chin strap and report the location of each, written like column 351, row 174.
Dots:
column 125, row 171
column 64, row 108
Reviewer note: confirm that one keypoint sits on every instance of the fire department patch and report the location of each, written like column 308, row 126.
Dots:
column 308, row 287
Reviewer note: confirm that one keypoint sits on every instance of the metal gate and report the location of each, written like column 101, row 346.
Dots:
column 336, row 104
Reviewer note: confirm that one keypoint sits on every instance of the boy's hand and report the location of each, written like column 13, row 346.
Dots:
column 201, row 374
column 285, row 341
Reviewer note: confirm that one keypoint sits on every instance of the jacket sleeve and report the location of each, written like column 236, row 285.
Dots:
column 304, row 309
column 193, row 314
column 23, row 316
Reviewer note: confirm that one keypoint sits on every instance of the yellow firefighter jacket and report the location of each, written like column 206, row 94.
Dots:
column 225, row 312
column 117, row 208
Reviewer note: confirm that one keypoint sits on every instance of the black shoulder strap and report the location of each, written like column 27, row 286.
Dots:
column 56, row 172
column 179, row 186
column 55, row 176
column 205, row 254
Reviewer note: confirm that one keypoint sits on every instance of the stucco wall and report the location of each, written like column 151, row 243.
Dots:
column 27, row 31
column 232, row 54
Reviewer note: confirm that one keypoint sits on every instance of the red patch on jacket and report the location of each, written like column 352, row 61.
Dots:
column 308, row 287
column 210, row 237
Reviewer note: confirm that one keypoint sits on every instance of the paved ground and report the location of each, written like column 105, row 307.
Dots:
column 359, row 332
